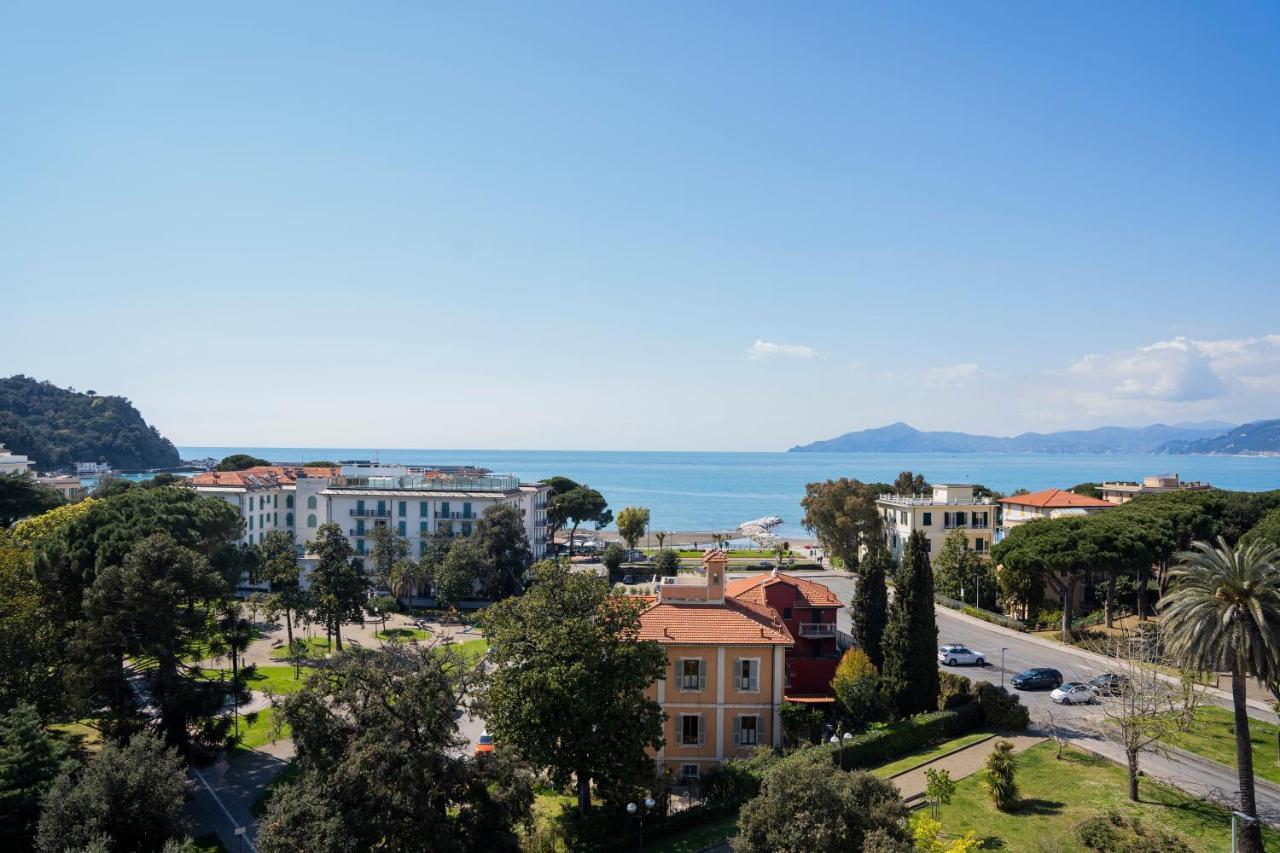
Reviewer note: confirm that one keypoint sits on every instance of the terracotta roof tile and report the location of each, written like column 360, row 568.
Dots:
column 261, row 476
column 753, row 589
column 734, row 622
column 1055, row 498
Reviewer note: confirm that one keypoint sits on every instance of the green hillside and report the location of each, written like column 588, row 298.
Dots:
column 57, row 427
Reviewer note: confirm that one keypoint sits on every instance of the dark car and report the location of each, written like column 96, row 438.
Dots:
column 1108, row 684
column 1040, row 678
column 628, row 578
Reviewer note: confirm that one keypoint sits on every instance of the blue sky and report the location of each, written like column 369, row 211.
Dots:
column 668, row 226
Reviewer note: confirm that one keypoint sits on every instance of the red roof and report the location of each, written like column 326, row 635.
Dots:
column 753, row 589
column 1055, row 498
column 261, row 476
column 735, row 622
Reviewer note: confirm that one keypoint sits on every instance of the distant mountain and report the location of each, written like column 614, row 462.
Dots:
column 1252, row 439
column 58, row 427
column 902, row 438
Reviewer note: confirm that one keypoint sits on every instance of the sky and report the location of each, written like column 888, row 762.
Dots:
column 708, row 226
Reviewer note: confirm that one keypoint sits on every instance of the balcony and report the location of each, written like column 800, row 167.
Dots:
column 816, row 630
column 461, row 516
column 371, row 513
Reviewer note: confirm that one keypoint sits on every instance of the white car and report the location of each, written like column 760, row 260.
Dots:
column 955, row 655
column 1073, row 693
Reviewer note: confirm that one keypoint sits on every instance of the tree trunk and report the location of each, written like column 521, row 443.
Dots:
column 288, row 626
column 584, row 792
column 1140, row 594
column 1111, row 599
column 1068, row 596
column 337, row 633
column 1251, row 831
column 1132, row 756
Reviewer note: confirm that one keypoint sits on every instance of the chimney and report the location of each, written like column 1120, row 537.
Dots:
column 715, row 563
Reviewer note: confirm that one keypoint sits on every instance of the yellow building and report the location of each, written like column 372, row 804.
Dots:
column 726, row 670
column 948, row 507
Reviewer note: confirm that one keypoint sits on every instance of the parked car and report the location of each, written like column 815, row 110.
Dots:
column 765, row 564
column 1073, row 693
column 955, row 655
column 628, row 578
column 1040, row 678
column 484, row 743
column 1108, row 684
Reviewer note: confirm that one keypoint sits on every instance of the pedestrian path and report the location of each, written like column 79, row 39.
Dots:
column 961, row 763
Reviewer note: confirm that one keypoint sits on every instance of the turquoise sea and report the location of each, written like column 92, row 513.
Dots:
column 716, row 491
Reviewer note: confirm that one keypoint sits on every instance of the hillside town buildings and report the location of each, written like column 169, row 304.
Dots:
column 14, row 463
column 947, row 507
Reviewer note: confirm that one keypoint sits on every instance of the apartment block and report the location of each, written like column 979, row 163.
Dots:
column 947, row 507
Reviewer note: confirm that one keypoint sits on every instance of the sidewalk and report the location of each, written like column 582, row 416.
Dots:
column 959, row 764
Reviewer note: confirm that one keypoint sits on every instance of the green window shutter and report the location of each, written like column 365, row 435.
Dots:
column 424, row 509
column 359, row 506
column 401, row 531
column 403, row 508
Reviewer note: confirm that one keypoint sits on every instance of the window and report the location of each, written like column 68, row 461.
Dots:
column 466, row 510
column 288, row 501
column 359, row 507
column 928, row 519
column 928, row 546
column 311, row 520
column 689, row 771
column 424, row 508
column 786, row 613
column 815, row 648
column 746, row 675
column 403, row 509
column 251, row 522
column 359, row 546
column 288, row 519
column 400, row 528
column 746, row 730
column 691, row 730
column 275, row 519
column 360, row 527
column 692, row 674
column 444, row 509
column 422, row 528
column 382, row 508
column 311, row 502
column 979, row 544
column 466, row 528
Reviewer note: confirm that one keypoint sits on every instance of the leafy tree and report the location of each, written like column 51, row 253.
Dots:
column 59, row 427
column 633, row 521
column 800, row 722
column 30, row 760
column 382, row 764
column 1044, row 552
column 109, row 485
column 956, row 569
column 911, row 636
column 320, row 463
column 909, row 484
column 559, row 485
column 240, row 462
column 22, row 496
column 164, row 478
column 807, row 806
column 1267, row 530
column 410, row 578
column 999, row 776
column 161, row 603
column 128, row 798
column 857, row 688
column 32, row 650
column 278, row 559
column 842, row 514
column 501, row 538
column 459, row 574
column 939, row 788
column 577, row 506
column 1223, row 613
column 388, row 549
column 1118, row 545
column 667, row 563
column 382, row 606
column 1089, row 490
column 338, row 585
column 613, row 557
column 870, row 605
column 568, row 681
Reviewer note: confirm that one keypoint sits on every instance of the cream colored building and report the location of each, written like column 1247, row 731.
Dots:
column 947, row 507
column 726, row 670
column 14, row 463
column 1123, row 491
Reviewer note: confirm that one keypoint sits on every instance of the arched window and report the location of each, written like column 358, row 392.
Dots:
column 311, row 502
column 311, row 520
column 288, row 501
column 288, row 519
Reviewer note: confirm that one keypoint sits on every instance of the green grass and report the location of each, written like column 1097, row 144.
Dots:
column 317, row 647
column 287, row 776
column 1214, row 737
column 697, row 838
column 1057, row 794
column 470, row 650
column 259, row 731
column 738, row 554
column 403, row 635
column 924, row 756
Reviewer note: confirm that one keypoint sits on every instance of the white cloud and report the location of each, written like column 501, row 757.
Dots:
column 952, row 375
column 1176, row 371
column 762, row 350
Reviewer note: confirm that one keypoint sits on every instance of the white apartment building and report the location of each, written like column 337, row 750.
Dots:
column 1123, row 491
column 361, row 496
column 14, row 463
column 948, row 507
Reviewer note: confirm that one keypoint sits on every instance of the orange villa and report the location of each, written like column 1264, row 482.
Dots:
column 726, row 668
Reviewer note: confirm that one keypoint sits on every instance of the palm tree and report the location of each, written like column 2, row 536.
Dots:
column 1223, row 613
column 409, row 578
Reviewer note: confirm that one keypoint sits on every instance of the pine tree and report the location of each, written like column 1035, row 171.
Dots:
column 30, row 760
column 911, row 637
column 870, row 605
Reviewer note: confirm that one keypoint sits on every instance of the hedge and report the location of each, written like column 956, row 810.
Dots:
column 894, row 741
column 976, row 613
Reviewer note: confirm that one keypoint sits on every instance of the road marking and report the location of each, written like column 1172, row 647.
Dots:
column 235, row 823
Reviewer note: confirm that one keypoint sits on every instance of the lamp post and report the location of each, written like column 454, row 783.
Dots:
column 1002, row 651
column 634, row 810
column 1242, row 818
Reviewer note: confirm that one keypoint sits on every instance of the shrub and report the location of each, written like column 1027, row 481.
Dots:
column 954, row 691
column 731, row 781
column 894, row 741
column 667, row 563
column 1001, row 709
column 999, row 779
column 613, row 557
column 1115, row 831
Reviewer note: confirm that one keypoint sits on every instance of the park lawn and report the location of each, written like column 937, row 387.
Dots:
column 924, row 756
column 277, row 680
column 259, row 731
column 1213, row 737
column 403, row 635
column 698, row 838
column 317, row 647
column 1058, row 794
column 287, row 776
column 81, row 735
column 470, row 650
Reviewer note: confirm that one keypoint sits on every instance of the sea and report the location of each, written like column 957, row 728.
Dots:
column 703, row 491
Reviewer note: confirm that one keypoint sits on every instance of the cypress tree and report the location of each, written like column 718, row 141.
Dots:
column 911, row 637
column 870, row 605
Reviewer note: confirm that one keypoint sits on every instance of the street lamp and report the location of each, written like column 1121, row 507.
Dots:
column 633, row 809
column 1002, row 651
column 1242, row 818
